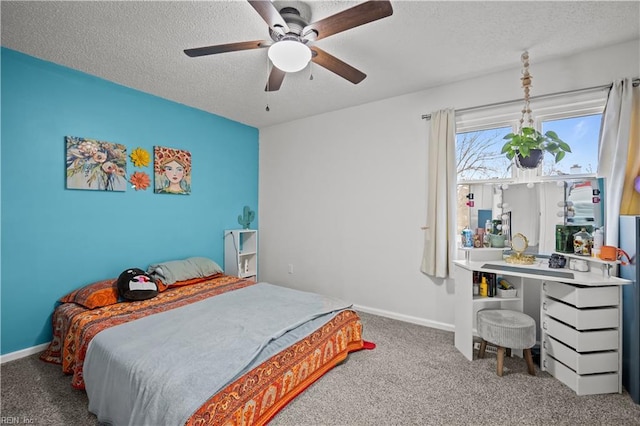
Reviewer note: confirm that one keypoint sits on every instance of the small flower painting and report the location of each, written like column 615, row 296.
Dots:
column 172, row 170
column 96, row 165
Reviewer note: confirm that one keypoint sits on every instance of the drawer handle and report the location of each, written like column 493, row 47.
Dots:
column 544, row 344
column 544, row 286
column 544, row 325
column 544, row 362
column 544, row 306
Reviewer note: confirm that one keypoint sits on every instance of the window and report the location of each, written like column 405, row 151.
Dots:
column 484, row 172
column 581, row 133
column 574, row 117
column 479, row 157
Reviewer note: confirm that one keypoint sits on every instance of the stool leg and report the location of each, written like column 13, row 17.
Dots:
column 483, row 347
column 529, row 359
column 500, row 360
column 508, row 352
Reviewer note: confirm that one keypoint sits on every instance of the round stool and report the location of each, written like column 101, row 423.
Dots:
column 507, row 329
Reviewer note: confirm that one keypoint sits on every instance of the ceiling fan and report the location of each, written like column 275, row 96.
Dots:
column 292, row 38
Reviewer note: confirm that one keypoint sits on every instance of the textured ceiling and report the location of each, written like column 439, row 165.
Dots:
column 422, row 45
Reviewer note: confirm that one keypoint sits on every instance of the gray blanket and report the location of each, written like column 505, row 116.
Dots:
column 160, row 369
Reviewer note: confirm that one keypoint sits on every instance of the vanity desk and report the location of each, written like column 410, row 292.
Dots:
column 580, row 317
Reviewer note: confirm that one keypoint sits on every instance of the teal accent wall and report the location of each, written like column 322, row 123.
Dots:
column 53, row 239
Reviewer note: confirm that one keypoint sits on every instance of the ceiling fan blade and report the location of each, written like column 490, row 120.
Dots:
column 270, row 14
column 335, row 65
column 275, row 79
column 350, row 18
column 222, row 48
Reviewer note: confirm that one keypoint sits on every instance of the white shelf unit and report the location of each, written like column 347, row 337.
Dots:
column 241, row 253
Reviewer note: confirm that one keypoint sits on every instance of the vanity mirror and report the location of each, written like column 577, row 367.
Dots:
column 519, row 245
column 532, row 209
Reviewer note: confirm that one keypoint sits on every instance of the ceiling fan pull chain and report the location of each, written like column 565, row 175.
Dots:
column 267, row 91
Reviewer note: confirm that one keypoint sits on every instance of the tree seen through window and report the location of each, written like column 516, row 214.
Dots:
column 478, row 155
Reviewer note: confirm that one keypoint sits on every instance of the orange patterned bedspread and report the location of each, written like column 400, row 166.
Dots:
column 74, row 326
column 253, row 398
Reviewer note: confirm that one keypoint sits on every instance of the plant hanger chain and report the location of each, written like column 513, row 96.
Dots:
column 528, row 139
column 526, row 84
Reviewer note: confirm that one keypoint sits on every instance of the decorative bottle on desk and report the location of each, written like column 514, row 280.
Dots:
column 561, row 240
column 467, row 237
column 582, row 242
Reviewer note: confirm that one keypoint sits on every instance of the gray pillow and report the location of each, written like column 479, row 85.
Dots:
column 179, row 270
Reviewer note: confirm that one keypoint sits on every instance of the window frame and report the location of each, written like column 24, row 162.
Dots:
column 544, row 108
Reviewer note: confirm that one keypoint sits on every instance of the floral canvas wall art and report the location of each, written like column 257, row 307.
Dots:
column 172, row 170
column 96, row 165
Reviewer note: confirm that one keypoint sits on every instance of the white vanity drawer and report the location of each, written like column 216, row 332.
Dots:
column 582, row 319
column 587, row 363
column 582, row 297
column 581, row 341
column 582, row 385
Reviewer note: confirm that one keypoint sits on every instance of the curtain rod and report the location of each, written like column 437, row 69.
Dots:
column 636, row 83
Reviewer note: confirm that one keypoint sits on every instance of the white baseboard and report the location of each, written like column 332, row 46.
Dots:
column 405, row 318
column 23, row 353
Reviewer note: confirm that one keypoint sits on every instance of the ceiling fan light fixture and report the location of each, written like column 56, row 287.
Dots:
column 289, row 55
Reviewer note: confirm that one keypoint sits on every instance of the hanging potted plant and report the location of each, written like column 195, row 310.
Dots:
column 528, row 145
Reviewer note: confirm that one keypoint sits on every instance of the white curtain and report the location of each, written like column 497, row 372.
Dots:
column 441, row 195
column 613, row 151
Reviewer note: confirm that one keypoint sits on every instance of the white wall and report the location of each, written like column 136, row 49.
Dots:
column 342, row 194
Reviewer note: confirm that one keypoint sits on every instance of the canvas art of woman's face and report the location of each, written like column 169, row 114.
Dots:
column 174, row 171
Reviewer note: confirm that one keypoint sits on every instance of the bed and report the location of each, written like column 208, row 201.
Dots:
column 176, row 358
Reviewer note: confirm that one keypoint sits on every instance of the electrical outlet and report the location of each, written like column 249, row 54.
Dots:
column 290, row 268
